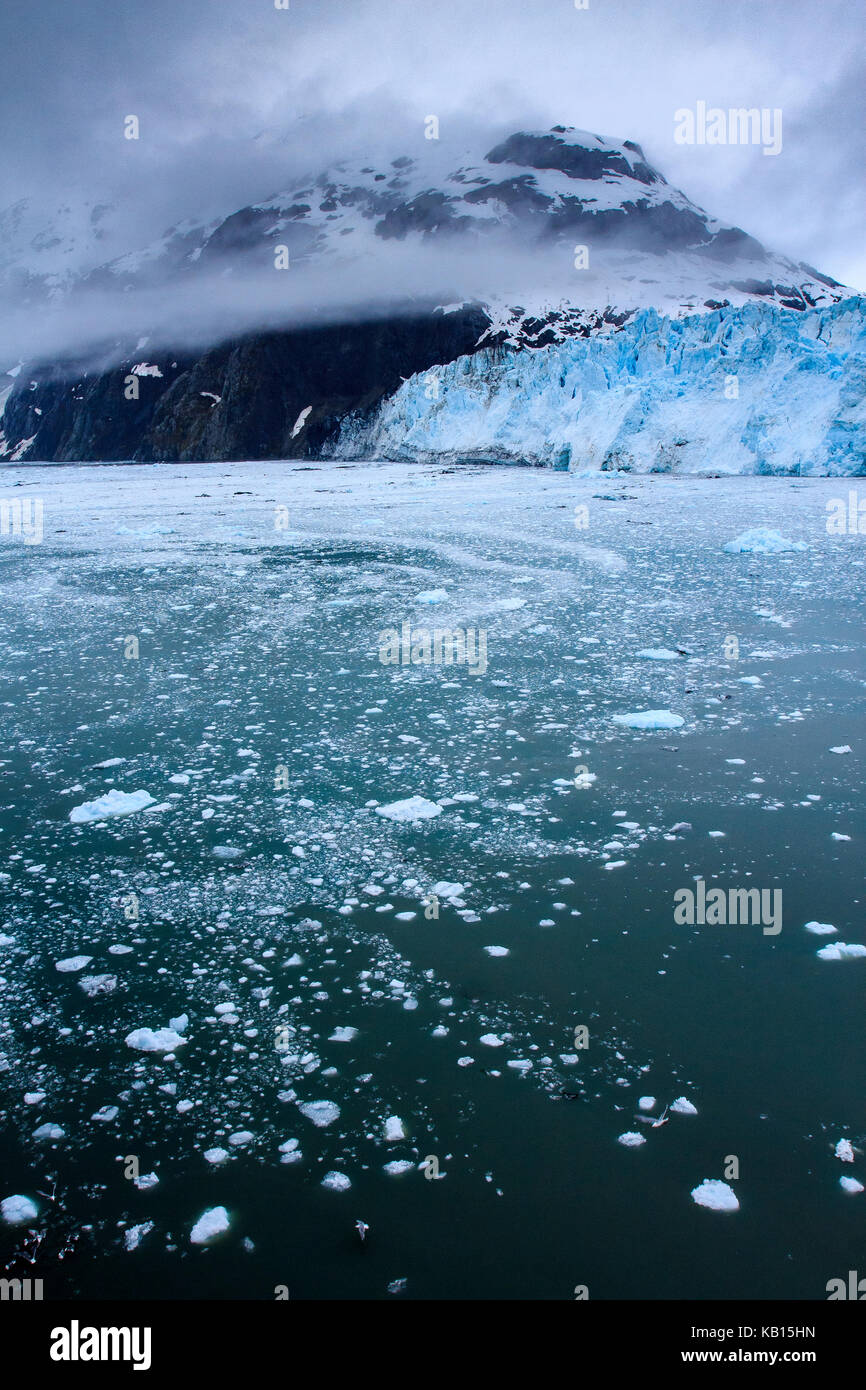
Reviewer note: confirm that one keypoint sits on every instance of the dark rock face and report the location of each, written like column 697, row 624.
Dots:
column 549, row 152
column 263, row 383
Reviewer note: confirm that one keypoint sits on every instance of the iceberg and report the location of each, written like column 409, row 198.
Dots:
column 715, row 1195
column 649, row 719
column 414, row 808
column 114, row 803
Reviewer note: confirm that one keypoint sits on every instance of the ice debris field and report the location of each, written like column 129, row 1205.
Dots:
column 284, row 922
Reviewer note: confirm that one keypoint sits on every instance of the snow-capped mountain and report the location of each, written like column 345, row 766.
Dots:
column 547, row 238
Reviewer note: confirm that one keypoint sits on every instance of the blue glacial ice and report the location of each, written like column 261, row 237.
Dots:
column 753, row 389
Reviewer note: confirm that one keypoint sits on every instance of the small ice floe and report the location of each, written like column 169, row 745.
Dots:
column 497, row 950
column 646, row 1102
column 820, row 928
column 135, row 1235
column 337, row 1182
column 72, row 964
column 46, row 1133
column 414, row 808
column 508, row 605
column 446, row 890
column 398, row 1166
column 631, row 1140
column 761, row 540
column 658, row 654
column 154, row 1040
column 343, row 1035
column 240, row 1138
column 146, row 1181
column 850, row 1185
column 836, row 836
column 105, row 1114
column 226, row 852
column 432, row 596
column 841, row 950
column 113, row 803
column 18, row 1210
column 845, row 1151
column 715, row 1195
column 649, row 719
column 34, row 1097
column 842, row 748
column 397, row 1285
column 290, row 1149
column 120, row 950
column 583, row 781
column 110, row 762
column 6, row 940
column 215, row 1156
column 750, row 680
column 212, row 1223
column 491, row 1040
column 321, row 1112
column 94, row 985
column 616, row 864
column 179, row 1024
column 394, row 1129
column 681, row 1106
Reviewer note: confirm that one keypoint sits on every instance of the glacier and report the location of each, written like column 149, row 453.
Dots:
column 749, row 389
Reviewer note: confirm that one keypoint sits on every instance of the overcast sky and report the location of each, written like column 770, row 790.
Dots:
column 235, row 96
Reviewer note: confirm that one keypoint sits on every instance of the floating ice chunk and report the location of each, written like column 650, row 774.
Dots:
column 343, row 1035
column 820, row 928
column 34, row 1097
column 850, row 1185
column 289, row 1146
column 432, row 596
column 658, row 654
column 845, row 1150
column 444, row 889
column 105, row 1114
column 337, row 1182
column 616, row 864
column 414, row 808
column 841, row 950
column 154, row 1040
column 73, row 963
column 650, row 719
column 6, row 940
column 226, row 852
column 94, row 985
column 212, row 1223
column 761, row 540
column 113, row 803
column 394, row 1129
column 111, row 762
column 631, row 1140
column 240, row 1138
column 681, row 1106
column 491, row 1040
column 180, row 779
column 397, row 1285
column 836, row 836
column 135, row 1235
column 715, row 1195
column 398, row 1166
column 215, row 1156
column 509, row 605
column 497, row 950
column 842, row 748
column 18, row 1210
column 321, row 1112
column 48, row 1131
column 646, row 1102
column 146, row 1181
column 120, row 950
column 179, row 1024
